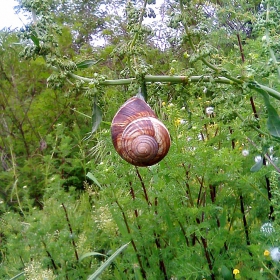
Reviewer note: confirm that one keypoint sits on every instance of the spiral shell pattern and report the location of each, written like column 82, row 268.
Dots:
column 137, row 135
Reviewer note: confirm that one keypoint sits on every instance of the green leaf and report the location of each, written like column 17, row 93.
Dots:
column 107, row 263
column 257, row 166
column 96, row 119
column 91, row 177
column 142, row 92
column 91, row 254
column 226, row 273
column 273, row 121
column 87, row 63
column 35, row 40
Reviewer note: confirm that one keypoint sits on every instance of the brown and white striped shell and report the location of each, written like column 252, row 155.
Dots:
column 137, row 134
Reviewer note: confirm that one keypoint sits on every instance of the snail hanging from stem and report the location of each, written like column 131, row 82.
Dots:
column 137, row 134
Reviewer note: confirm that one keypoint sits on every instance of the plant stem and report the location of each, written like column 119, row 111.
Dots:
column 240, row 48
column 161, row 262
column 207, row 255
column 245, row 224
column 50, row 256
column 183, row 79
column 15, row 177
column 254, row 127
column 270, row 271
column 143, row 186
column 188, row 191
column 71, row 232
column 251, row 97
column 269, row 195
column 132, row 241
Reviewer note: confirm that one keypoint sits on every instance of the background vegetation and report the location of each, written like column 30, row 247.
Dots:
column 210, row 209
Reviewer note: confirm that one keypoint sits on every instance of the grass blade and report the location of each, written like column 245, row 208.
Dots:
column 107, row 263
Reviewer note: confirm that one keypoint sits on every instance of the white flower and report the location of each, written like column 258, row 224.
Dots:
column 258, row 158
column 183, row 121
column 200, row 137
column 209, row 110
column 183, row 108
column 245, row 153
column 267, row 228
column 275, row 254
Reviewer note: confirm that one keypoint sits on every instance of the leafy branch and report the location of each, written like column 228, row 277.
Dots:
column 185, row 80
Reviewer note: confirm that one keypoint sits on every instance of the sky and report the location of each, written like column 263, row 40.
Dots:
column 8, row 18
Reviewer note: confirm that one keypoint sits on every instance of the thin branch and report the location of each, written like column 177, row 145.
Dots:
column 245, row 224
column 143, row 186
column 269, row 195
column 71, row 232
column 50, row 256
column 180, row 79
column 208, row 258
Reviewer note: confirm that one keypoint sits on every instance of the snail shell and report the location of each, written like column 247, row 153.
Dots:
column 137, row 134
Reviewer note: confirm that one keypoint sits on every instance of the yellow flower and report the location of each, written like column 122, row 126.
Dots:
column 163, row 103
column 177, row 122
column 236, row 271
column 266, row 253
